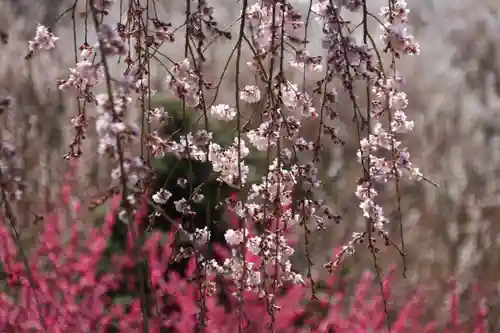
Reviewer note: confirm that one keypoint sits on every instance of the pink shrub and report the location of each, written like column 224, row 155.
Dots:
column 65, row 290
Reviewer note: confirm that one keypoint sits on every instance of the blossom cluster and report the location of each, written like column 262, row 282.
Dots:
column 183, row 83
column 44, row 39
column 268, row 256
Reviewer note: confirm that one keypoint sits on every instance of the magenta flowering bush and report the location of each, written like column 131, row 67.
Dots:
column 64, row 289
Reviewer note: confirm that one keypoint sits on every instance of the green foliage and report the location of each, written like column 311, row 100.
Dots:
column 199, row 175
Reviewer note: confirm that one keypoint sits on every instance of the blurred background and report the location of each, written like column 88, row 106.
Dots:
column 454, row 95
